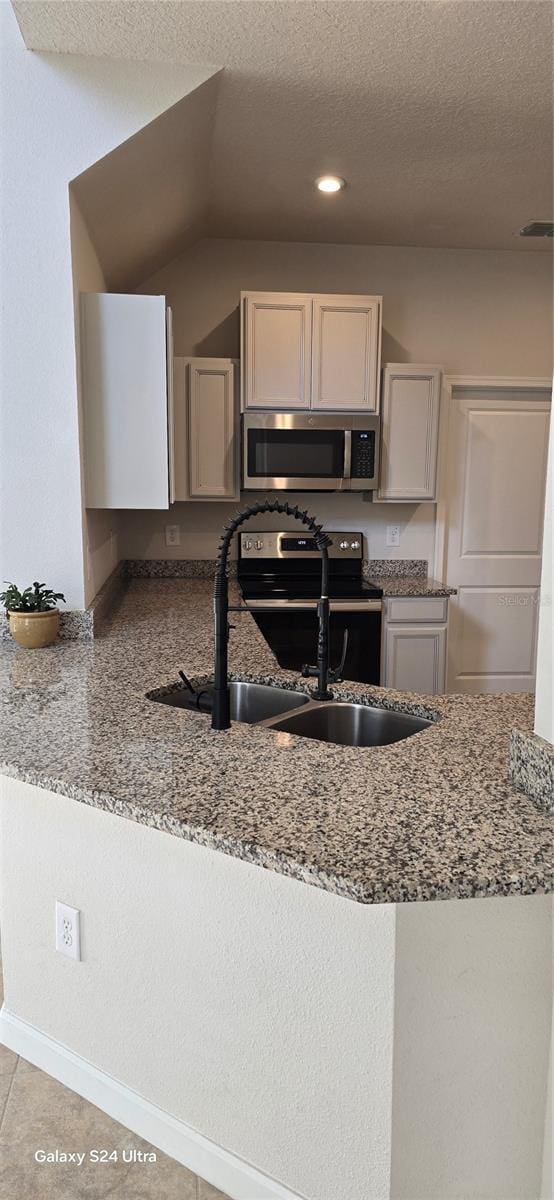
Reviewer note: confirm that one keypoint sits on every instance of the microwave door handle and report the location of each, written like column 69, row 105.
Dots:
column 347, row 454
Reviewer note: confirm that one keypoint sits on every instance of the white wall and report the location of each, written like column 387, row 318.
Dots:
column 473, row 1002
column 253, row 1007
column 60, row 114
column 544, row 719
column 473, row 312
column 360, row 1052
column 100, row 527
column 142, row 534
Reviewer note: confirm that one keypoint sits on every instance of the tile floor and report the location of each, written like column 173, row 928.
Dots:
column 37, row 1112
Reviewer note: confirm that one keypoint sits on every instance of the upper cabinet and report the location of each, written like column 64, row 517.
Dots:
column 124, row 362
column 205, row 430
column 277, row 348
column 346, row 341
column 410, row 413
column 310, row 351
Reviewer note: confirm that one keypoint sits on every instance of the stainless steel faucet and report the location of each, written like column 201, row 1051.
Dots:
column 221, row 718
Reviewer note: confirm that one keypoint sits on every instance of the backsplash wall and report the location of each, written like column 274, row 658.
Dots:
column 142, row 534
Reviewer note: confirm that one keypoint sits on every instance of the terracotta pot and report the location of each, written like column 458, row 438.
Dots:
column 34, row 629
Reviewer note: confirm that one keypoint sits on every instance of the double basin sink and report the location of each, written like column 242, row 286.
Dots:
column 281, row 710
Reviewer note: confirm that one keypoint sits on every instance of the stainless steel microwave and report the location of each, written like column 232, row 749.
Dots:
column 310, row 452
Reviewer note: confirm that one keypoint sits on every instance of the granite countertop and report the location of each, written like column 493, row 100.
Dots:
column 411, row 585
column 432, row 817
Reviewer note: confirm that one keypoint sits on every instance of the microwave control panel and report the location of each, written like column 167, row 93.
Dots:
column 363, row 454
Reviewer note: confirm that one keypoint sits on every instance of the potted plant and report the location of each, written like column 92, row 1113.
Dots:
column 32, row 615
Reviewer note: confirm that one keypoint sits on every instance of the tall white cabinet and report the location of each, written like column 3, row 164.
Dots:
column 410, row 413
column 308, row 351
column 125, row 351
column 205, row 429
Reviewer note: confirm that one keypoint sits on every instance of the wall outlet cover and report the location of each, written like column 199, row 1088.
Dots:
column 173, row 535
column 68, row 930
column 393, row 535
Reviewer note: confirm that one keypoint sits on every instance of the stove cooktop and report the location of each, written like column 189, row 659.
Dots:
column 307, row 588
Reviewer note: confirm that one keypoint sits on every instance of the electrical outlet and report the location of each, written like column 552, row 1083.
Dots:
column 173, row 535
column 393, row 535
column 68, row 931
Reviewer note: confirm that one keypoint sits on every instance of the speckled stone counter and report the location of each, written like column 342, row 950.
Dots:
column 432, row 817
column 532, row 767
column 410, row 585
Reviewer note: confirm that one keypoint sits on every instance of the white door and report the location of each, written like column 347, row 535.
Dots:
column 277, row 350
column 346, row 353
column 497, row 448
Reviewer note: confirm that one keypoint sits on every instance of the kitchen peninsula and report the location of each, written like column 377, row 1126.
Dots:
column 236, row 977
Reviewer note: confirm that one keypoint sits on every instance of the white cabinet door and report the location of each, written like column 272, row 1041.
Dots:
column 276, row 352
column 415, row 658
column 409, row 433
column 346, row 353
column 124, row 390
column 212, row 425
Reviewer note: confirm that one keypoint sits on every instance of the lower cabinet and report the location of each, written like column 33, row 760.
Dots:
column 413, row 653
column 205, row 435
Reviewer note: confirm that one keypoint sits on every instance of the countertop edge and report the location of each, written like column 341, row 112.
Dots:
column 378, row 893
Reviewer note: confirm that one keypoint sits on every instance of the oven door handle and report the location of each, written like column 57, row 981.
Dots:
column 347, row 468
column 344, row 606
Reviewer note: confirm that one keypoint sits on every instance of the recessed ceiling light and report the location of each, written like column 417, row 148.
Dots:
column 330, row 183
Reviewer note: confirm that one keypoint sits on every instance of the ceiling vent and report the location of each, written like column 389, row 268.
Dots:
column 537, row 229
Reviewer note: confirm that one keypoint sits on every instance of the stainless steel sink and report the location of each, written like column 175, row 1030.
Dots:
column 250, row 702
column 278, row 709
column 351, row 724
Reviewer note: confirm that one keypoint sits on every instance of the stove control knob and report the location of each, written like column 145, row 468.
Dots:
column 247, row 544
column 344, row 545
column 259, row 544
column 355, row 545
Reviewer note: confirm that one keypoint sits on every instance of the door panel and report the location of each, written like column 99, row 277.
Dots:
column 211, row 441
column 278, row 352
column 504, row 478
column 497, row 634
column 496, row 483
column 346, row 339
column 124, row 365
column 409, row 433
column 415, row 658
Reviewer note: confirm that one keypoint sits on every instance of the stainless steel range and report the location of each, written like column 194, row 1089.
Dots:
column 279, row 575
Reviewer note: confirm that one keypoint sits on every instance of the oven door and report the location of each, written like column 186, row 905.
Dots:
column 295, row 452
column 291, row 630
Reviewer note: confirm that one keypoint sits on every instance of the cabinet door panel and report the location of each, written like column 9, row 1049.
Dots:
column 346, row 345
column 212, row 457
column 124, row 385
column 277, row 351
column 180, row 430
column 409, row 433
column 415, row 658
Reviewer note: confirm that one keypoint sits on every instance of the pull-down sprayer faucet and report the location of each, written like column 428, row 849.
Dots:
column 221, row 706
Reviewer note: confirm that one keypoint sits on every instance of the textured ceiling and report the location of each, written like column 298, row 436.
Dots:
column 437, row 113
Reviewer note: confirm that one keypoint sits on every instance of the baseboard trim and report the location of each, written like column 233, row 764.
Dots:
column 174, row 1137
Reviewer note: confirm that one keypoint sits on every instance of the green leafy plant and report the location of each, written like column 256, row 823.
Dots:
column 37, row 598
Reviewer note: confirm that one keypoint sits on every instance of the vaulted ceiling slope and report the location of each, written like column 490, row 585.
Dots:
column 146, row 202
column 438, row 113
